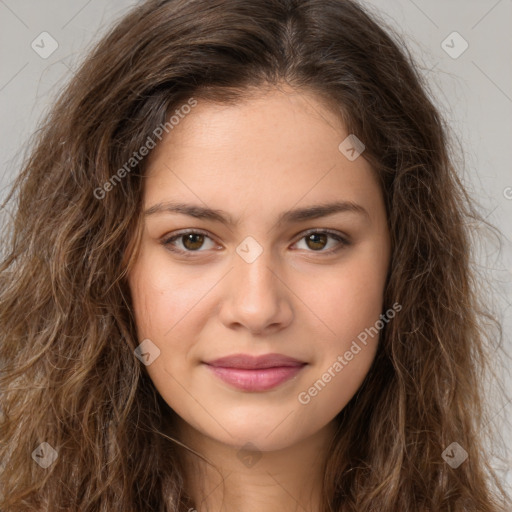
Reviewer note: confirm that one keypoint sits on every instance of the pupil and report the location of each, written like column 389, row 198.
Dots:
column 316, row 235
column 317, row 239
column 190, row 239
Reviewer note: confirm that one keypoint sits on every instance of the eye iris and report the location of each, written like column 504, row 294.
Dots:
column 193, row 241
column 314, row 238
column 192, row 237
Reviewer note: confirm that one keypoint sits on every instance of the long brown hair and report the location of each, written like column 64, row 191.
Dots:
column 67, row 335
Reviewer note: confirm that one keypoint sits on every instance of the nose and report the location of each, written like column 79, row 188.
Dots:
column 256, row 297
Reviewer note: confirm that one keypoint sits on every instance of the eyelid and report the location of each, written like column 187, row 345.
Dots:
column 342, row 239
column 176, row 234
column 332, row 232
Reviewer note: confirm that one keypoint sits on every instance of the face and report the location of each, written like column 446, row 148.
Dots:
column 254, row 269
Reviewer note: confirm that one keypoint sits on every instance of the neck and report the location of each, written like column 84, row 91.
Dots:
column 247, row 480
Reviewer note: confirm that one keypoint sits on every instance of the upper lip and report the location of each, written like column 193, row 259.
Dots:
column 246, row 361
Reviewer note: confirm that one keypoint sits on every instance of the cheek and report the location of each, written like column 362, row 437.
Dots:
column 348, row 302
column 346, row 299
column 349, row 307
column 334, row 385
column 363, row 303
column 169, row 309
column 163, row 296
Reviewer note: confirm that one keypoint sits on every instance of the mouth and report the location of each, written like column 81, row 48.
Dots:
column 249, row 362
column 249, row 373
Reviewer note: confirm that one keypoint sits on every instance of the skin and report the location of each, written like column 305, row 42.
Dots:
column 272, row 152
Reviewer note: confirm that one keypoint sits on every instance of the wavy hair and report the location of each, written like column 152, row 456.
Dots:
column 67, row 334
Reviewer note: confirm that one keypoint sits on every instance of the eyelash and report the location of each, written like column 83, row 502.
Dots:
column 190, row 254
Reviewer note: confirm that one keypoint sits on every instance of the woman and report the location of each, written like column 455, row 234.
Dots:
column 239, row 277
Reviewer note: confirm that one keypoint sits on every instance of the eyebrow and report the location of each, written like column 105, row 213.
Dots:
column 289, row 217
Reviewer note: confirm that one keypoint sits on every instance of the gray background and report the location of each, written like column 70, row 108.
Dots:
column 473, row 91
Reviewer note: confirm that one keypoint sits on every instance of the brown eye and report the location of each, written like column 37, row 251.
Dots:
column 191, row 241
column 316, row 240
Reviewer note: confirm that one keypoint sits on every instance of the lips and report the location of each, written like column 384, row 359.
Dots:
column 250, row 373
column 248, row 362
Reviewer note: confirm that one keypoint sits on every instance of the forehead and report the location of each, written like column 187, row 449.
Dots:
column 298, row 117
column 271, row 149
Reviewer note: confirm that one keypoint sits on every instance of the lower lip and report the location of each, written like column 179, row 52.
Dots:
column 256, row 380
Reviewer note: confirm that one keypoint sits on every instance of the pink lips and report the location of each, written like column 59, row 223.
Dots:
column 251, row 373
